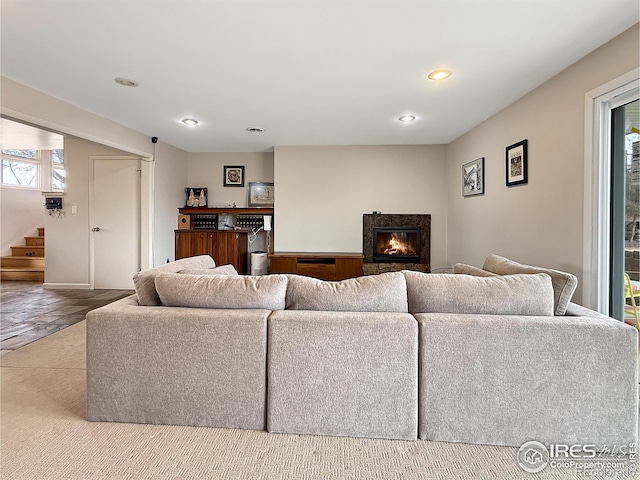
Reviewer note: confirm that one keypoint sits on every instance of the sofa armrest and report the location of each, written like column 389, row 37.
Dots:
column 504, row 380
column 575, row 310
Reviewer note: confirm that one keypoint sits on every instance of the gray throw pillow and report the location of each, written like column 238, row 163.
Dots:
column 465, row 269
column 508, row 295
column 144, row 282
column 222, row 291
column 386, row 292
column 564, row 284
column 221, row 270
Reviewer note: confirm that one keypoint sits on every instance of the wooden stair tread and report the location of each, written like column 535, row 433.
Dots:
column 22, row 267
column 21, row 261
column 33, row 268
column 22, row 250
column 22, row 275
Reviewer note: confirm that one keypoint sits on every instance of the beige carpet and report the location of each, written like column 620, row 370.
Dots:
column 44, row 436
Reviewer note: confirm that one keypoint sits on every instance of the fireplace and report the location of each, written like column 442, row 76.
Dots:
column 396, row 244
column 393, row 242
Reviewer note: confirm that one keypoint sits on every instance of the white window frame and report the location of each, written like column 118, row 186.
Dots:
column 37, row 161
column 45, row 167
column 54, row 167
column 597, row 186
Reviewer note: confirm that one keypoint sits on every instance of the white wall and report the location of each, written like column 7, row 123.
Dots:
column 169, row 181
column 22, row 212
column 321, row 194
column 541, row 222
column 67, row 238
column 206, row 170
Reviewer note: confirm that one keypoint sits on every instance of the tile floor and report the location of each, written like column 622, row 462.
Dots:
column 29, row 312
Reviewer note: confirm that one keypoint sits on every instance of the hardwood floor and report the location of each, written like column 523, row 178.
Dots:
column 29, row 312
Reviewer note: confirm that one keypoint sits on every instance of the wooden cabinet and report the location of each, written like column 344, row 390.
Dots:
column 183, row 244
column 200, row 243
column 325, row 266
column 230, row 247
column 200, row 237
column 225, row 246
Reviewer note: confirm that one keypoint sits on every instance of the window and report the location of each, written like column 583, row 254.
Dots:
column 21, row 168
column 57, row 170
column 34, row 169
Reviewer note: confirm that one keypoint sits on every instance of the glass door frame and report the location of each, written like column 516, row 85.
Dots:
column 597, row 186
column 619, row 170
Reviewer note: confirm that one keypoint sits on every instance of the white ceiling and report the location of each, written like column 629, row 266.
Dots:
column 311, row 72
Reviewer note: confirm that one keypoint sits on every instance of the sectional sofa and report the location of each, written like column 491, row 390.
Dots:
column 496, row 355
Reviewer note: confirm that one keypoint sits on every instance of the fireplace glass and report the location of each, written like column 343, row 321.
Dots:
column 396, row 244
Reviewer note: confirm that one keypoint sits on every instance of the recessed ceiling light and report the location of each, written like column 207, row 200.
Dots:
column 407, row 118
column 440, row 74
column 126, row 82
column 190, row 121
column 255, row 129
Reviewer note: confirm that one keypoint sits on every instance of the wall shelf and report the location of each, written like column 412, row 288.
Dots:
column 226, row 210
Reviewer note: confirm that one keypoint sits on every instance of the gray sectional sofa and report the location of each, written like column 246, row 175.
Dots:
column 492, row 356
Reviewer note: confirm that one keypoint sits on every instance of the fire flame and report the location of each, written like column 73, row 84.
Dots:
column 398, row 247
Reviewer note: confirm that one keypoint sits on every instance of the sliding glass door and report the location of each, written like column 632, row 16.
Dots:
column 625, row 203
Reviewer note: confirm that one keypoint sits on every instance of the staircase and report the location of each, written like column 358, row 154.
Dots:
column 26, row 261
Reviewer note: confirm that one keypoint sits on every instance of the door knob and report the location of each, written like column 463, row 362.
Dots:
column 95, row 229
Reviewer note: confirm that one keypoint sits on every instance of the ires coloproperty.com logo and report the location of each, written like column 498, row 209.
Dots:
column 533, row 457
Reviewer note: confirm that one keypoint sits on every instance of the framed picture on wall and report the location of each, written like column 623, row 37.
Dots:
column 260, row 194
column 517, row 163
column 473, row 178
column 233, row 176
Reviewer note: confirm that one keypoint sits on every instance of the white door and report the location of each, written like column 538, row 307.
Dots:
column 115, row 222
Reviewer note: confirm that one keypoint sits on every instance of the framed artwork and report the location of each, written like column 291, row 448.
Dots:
column 196, row 197
column 233, row 176
column 260, row 194
column 516, row 163
column 473, row 178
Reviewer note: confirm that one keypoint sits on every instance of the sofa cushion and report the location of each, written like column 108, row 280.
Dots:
column 500, row 295
column 222, row 291
column 564, row 284
column 386, row 292
column 471, row 270
column 221, row 270
column 144, row 281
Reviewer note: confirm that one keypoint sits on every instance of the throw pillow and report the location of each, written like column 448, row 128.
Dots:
column 564, row 284
column 222, row 291
column 221, row 270
column 144, row 282
column 386, row 292
column 508, row 295
column 465, row 269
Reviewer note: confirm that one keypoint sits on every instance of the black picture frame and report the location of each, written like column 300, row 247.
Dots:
column 233, row 176
column 199, row 199
column 473, row 178
column 517, row 164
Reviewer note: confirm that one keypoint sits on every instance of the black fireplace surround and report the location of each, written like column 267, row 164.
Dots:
column 409, row 249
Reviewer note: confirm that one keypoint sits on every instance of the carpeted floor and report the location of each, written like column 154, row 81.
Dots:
column 44, row 436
